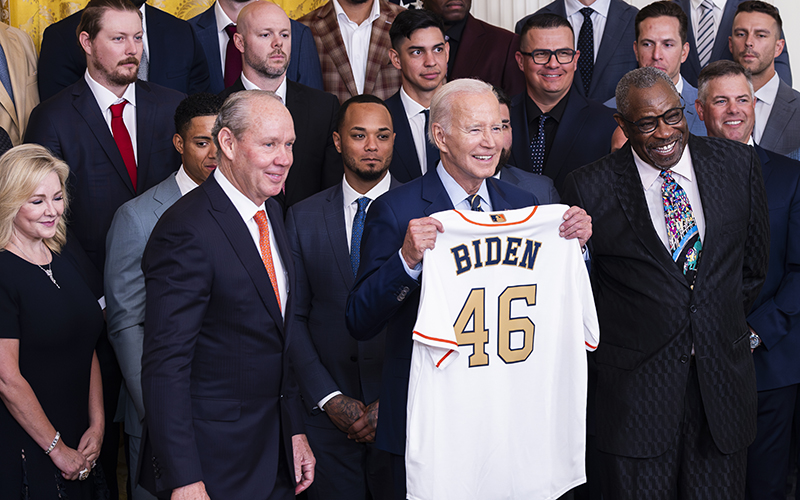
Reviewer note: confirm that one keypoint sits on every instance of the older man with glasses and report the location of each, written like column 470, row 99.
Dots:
column 673, row 274
column 556, row 129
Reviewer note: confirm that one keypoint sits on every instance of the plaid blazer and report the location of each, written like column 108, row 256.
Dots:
column 382, row 79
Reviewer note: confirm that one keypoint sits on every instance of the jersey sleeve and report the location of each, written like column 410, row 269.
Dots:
column 433, row 328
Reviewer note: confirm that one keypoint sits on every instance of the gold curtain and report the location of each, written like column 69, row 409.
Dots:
column 33, row 16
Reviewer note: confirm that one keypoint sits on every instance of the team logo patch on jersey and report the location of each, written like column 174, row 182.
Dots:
column 498, row 217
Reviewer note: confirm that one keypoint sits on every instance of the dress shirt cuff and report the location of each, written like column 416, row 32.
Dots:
column 323, row 401
column 413, row 273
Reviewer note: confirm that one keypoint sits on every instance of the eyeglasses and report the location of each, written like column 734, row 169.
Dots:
column 542, row 56
column 648, row 124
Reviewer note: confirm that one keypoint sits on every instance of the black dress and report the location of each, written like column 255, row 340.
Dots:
column 57, row 331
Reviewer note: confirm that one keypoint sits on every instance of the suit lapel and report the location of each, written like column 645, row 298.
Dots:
column 14, row 71
column 497, row 195
column 165, row 195
column 234, row 228
column 693, row 61
column 612, row 37
column 707, row 170
column 275, row 213
column 87, row 108
column 331, row 39
column 156, row 37
column 520, row 147
column 630, row 194
column 569, row 130
column 434, row 193
column 720, row 49
column 145, row 117
column 407, row 155
column 472, row 46
column 333, row 212
column 779, row 117
column 207, row 34
column 378, row 56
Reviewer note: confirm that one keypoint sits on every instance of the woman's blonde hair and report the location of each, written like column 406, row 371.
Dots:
column 22, row 170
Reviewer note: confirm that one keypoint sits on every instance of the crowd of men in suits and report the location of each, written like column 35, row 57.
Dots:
column 187, row 184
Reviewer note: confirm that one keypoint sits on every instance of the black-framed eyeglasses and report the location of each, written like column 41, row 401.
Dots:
column 648, row 124
column 543, row 56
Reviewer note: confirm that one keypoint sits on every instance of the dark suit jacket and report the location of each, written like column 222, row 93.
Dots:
column 326, row 358
column 488, row 53
column 690, row 69
column 72, row 126
column 782, row 131
column 650, row 318
column 584, row 135
column 303, row 64
column 214, row 365
column 540, row 185
column 176, row 58
column 316, row 165
column 775, row 316
column 615, row 55
column 384, row 294
column 405, row 162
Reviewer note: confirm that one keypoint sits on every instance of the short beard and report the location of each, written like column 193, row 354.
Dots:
column 118, row 78
column 265, row 69
column 366, row 175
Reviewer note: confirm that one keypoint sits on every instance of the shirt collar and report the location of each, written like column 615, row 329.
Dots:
column 222, row 18
column 374, row 14
column 769, row 91
column 649, row 173
column 350, row 195
column 720, row 4
column 185, row 183
column 457, row 30
column 533, row 111
column 454, row 190
column 144, row 18
column 244, row 205
column 679, row 87
column 104, row 97
column 412, row 107
column 600, row 6
column 280, row 91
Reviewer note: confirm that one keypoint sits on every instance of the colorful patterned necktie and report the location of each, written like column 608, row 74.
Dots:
column 705, row 33
column 682, row 231
column 586, row 48
column 358, row 231
column 475, row 202
column 266, row 251
column 123, row 140
column 538, row 146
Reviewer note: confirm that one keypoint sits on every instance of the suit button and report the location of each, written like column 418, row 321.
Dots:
column 402, row 294
column 684, row 358
column 693, row 308
column 353, row 358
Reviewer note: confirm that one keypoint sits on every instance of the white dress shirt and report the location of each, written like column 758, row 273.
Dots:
column 697, row 14
column 280, row 91
column 599, row 18
column 222, row 36
column 185, row 183
column 105, row 99
column 247, row 210
column 416, row 121
column 765, row 99
column 356, row 40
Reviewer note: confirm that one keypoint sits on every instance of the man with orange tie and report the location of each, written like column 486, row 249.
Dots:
column 221, row 416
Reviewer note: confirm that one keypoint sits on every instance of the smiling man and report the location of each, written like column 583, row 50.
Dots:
column 673, row 276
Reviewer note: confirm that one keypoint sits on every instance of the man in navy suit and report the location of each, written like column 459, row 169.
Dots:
column 420, row 51
column 466, row 127
column 222, row 418
column 612, row 23
column 340, row 377
column 556, row 129
column 78, row 126
column 724, row 12
column 175, row 58
column 210, row 27
column 727, row 106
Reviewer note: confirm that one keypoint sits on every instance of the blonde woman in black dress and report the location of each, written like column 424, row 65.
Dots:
column 51, row 419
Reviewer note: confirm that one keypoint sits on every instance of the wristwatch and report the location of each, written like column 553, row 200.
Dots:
column 755, row 340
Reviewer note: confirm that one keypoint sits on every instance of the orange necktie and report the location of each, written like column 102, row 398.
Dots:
column 266, row 252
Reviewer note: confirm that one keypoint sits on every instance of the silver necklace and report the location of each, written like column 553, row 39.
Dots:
column 48, row 270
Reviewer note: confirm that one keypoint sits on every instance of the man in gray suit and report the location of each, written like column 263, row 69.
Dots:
column 124, row 281
column 755, row 43
column 340, row 377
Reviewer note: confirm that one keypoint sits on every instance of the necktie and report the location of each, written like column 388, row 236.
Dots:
column 144, row 65
column 537, row 147
column 475, row 202
column 358, row 230
column 5, row 76
column 431, row 151
column 233, row 58
column 123, row 140
column 266, row 252
column 682, row 232
column 705, row 33
column 586, row 48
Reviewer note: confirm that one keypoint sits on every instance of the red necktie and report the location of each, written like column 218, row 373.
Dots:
column 233, row 58
column 266, row 252
column 123, row 140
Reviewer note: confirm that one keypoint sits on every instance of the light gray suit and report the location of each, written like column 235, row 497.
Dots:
column 782, row 132
column 125, row 301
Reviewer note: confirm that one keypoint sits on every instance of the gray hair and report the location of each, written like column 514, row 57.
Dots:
column 641, row 78
column 447, row 96
column 235, row 114
column 719, row 69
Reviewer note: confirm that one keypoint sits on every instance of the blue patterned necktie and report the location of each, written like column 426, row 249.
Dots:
column 5, row 76
column 358, row 230
column 475, row 202
column 586, row 48
column 537, row 147
column 682, row 232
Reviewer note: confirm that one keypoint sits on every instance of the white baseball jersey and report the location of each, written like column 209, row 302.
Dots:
column 497, row 391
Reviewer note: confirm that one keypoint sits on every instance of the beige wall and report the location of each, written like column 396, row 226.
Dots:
column 507, row 12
